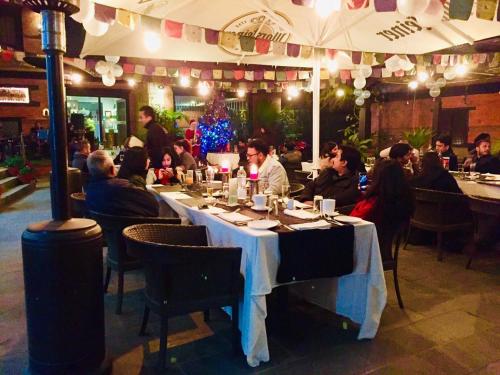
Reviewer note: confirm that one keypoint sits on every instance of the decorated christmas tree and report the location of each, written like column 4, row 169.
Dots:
column 215, row 126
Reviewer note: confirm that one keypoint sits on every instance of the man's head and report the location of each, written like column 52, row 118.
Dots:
column 443, row 143
column 257, row 152
column 146, row 114
column 346, row 159
column 401, row 152
column 241, row 143
column 83, row 148
column 100, row 164
column 483, row 144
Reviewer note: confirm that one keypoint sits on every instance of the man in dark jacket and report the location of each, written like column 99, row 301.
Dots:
column 482, row 161
column 157, row 138
column 115, row 196
column 339, row 181
column 80, row 156
column 443, row 148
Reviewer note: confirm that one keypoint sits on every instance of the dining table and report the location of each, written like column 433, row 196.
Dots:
column 360, row 295
column 480, row 187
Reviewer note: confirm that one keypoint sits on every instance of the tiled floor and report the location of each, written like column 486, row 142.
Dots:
column 451, row 323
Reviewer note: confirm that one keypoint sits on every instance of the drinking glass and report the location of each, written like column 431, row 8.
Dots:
column 199, row 177
column 189, row 177
column 285, row 192
column 225, row 191
column 210, row 191
column 210, row 173
column 318, row 199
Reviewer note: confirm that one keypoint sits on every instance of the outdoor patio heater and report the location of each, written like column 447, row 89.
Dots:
column 62, row 257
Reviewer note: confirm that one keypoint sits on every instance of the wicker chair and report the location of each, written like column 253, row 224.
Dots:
column 184, row 275
column 389, row 237
column 78, row 207
column 301, row 176
column 440, row 212
column 486, row 219
column 117, row 258
column 296, row 189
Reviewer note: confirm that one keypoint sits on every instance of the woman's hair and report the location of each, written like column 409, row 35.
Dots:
column 399, row 150
column 326, row 149
column 173, row 156
column 431, row 163
column 183, row 143
column 134, row 163
column 394, row 202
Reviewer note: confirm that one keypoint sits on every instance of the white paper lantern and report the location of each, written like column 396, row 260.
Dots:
column 441, row 82
column 360, row 101
column 449, row 74
column 432, row 15
column 108, row 79
column 101, row 67
column 392, row 64
column 359, row 82
column 412, row 8
column 366, row 94
column 434, row 92
column 358, row 92
column 430, row 84
column 112, row 59
column 95, row 27
column 117, row 70
column 406, row 64
column 86, row 11
column 365, row 70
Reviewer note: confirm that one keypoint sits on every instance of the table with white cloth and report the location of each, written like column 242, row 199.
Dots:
column 483, row 189
column 360, row 296
column 217, row 158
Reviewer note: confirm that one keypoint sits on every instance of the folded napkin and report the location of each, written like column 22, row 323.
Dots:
column 301, row 214
column 301, row 205
column 234, row 217
column 214, row 210
column 321, row 224
column 175, row 195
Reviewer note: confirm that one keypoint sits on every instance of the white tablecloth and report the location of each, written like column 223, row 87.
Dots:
column 217, row 158
column 479, row 189
column 360, row 296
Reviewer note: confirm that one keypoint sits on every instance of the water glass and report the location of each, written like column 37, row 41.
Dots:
column 189, row 177
column 210, row 191
column 225, row 190
column 317, row 203
column 199, row 177
column 285, row 191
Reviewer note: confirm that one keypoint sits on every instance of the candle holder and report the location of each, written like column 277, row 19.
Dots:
column 254, row 186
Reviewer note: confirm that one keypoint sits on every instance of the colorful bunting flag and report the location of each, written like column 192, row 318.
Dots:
column 211, row 36
column 247, row 43
column 385, row 5
column 173, row 29
column 195, row 73
column 270, row 75
column 279, row 48
column 228, row 74
column 262, row 45
column 217, row 73
column 127, row 19
column 104, row 13
column 356, row 57
column 292, row 49
column 128, row 68
column 151, row 24
column 303, row 74
column 460, row 9
column 357, row 4
column 161, row 71
column 249, row 76
column 192, row 33
column 305, row 52
column 229, row 40
column 345, row 75
column 280, row 75
column 485, row 9
column 207, row 74
column 258, row 75
column 291, row 75
column 239, row 74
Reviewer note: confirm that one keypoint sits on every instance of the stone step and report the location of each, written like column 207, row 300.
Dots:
column 16, row 193
column 8, row 183
column 3, row 173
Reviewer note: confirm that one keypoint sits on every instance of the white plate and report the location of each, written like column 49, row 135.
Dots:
column 265, row 208
column 348, row 219
column 262, row 224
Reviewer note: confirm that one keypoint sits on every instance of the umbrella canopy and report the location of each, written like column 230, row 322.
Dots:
column 280, row 21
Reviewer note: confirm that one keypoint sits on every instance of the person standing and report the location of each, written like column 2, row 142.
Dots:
column 157, row 138
column 443, row 148
column 193, row 136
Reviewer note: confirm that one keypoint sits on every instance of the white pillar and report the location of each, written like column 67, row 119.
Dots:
column 315, row 110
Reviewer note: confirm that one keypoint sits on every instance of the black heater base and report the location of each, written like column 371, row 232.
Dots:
column 62, row 262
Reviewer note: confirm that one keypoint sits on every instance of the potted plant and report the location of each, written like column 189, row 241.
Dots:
column 418, row 137
column 14, row 165
column 26, row 174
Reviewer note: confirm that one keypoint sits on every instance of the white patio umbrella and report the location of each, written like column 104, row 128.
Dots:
column 280, row 20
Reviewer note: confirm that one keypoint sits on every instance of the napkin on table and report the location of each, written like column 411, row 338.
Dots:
column 320, row 224
column 234, row 217
column 301, row 214
column 175, row 195
column 213, row 210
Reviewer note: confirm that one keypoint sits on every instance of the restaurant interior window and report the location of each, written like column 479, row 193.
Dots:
column 11, row 29
column 455, row 122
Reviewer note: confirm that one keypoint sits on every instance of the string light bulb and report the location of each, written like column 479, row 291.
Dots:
column 340, row 93
column 152, row 41
column 131, row 82
column 332, row 66
column 76, row 78
column 461, row 69
column 293, row 91
column 422, row 76
column 203, row 89
column 240, row 93
column 184, row 81
column 412, row 85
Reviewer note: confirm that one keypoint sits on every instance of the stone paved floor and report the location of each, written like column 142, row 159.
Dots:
column 451, row 323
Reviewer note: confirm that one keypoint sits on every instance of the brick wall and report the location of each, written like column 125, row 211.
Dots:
column 394, row 117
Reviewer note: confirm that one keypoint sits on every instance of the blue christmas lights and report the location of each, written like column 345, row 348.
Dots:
column 215, row 127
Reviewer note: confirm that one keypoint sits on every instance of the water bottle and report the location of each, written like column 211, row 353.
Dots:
column 242, row 184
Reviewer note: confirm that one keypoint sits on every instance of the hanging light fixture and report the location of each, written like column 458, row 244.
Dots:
column 152, row 41
column 461, row 69
column 76, row 78
column 184, row 81
column 241, row 93
column 131, row 82
column 340, row 93
column 293, row 91
column 422, row 76
column 203, row 89
column 412, row 85
column 332, row 65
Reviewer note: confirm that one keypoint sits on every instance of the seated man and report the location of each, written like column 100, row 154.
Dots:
column 115, row 196
column 270, row 170
column 403, row 154
column 482, row 161
column 443, row 148
column 339, row 181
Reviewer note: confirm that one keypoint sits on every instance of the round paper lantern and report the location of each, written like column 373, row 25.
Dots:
column 412, row 8
column 360, row 101
column 366, row 94
column 108, row 79
column 432, row 15
column 434, row 92
column 393, row 63
column 441, row 82
column 86, row 11
column 430, row 84
column 365, row 70
column 101, row 67
column 117, row 70
column 449, row 74
column 359, row 82
column 358, row 92
column 95, row 27
column 112, row 59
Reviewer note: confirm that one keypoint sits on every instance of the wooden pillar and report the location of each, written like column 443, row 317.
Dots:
column 365, row 120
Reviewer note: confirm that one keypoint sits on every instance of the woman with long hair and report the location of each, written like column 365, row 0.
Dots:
column 186, row 160
column 389, row 199
column 167, row 174
column 434, row 176
column 134, row 166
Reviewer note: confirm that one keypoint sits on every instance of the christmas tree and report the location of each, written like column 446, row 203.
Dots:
column 215, row 126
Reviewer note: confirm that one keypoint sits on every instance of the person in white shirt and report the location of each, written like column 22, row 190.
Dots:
column 270, row 170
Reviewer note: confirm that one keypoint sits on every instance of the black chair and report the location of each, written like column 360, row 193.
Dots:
column 486, row 220
column 440, row 212
column 346, row 210
column 389, row 238
column 117, row 258
column 184, row 275
column 296, row 189
column 301, row 176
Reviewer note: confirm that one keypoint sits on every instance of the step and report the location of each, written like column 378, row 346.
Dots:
column 8, row 183
column 16, row 193
column 3, row 173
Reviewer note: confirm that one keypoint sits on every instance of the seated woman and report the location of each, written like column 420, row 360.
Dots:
column 129, row 142
column 434, row 177
column 186, row 160
column 134, row 166
column 389, row 199
column 167, row 174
